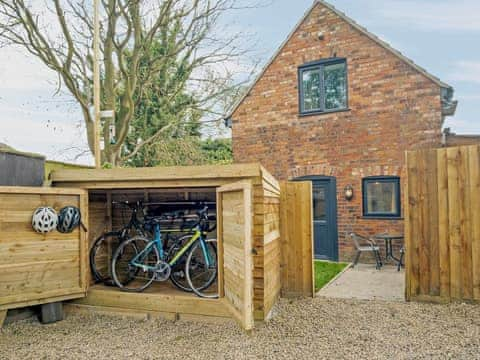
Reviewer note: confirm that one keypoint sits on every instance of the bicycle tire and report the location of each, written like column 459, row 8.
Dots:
column 128, row 284
column 178, row 276
column 199, row 290
column 100, row 248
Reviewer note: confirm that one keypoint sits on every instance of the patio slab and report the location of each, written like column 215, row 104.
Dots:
column 366, row 283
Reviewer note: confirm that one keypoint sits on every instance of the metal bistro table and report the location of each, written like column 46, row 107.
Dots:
column 389, row 248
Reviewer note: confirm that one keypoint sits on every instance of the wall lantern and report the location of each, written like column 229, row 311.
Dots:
column 348, row 191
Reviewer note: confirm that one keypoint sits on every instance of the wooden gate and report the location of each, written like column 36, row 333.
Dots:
column 234, row 206
column 443, row 224
column 296, row 223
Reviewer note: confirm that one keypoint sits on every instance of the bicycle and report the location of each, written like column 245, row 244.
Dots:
column 107, row 243
column 138, row 261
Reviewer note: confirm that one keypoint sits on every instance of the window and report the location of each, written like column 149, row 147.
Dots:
column 323, row 86
column 381, row 196
column 319, row 203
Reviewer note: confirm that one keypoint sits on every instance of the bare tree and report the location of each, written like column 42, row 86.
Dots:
column 60, row 34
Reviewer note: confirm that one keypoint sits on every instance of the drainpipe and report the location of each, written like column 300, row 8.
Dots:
column 445, row 134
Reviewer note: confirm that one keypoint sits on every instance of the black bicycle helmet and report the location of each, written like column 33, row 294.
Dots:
column 68, row 219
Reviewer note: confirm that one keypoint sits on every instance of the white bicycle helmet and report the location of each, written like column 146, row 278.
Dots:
column 44, row 220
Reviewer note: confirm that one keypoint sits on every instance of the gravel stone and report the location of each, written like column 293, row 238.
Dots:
column 317, row 328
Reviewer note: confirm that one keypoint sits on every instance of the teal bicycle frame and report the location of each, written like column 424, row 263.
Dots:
column 157, row 243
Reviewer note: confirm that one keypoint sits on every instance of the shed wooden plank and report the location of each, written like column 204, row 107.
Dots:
column 423, row 217
column 474, row 196
column 412, row 238
column 465, row 223
column 32, row 299
column 454, row 213
column 152, row 184
column 40, row 190
column 165, row 301
column 432, row 222
column 408, row 229
column 157, row 173
column 443, row 223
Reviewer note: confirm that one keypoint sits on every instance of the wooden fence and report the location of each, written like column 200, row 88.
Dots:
column 443, row 224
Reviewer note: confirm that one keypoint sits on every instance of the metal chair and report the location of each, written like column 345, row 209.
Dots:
column 363, row 244
column 402, row 255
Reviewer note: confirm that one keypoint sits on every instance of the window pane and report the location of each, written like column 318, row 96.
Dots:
column 311, row 90
column 335, row 82
column 319, row 203
column 382, row 197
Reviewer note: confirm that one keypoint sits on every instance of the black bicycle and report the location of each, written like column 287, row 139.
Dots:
column 105, row 245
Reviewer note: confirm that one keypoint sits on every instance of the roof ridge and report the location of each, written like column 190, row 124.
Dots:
column 356, row 26
column 383, row 43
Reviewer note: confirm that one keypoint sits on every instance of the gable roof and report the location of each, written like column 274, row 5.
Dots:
column 356, row 26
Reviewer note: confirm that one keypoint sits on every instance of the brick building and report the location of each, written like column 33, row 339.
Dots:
column 338, row 106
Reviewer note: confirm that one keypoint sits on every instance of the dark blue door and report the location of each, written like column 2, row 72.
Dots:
column 324, row 200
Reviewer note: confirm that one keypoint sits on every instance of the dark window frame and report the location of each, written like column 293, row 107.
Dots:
column 384, row 179
column 320, row 64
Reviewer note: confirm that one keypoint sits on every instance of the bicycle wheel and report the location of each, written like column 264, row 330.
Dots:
column 129, row 277
column 101, row 255
column 178, row 276
column 200, row 276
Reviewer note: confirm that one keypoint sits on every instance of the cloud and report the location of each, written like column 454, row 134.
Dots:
column 22, row 71
column 56, row 133
column 475, row 97
column 431, row 15
column 462, row 126
column 466, row 71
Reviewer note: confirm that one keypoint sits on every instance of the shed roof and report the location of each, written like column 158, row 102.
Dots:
column 356, row 26
column 4, row 148
column 175, row 176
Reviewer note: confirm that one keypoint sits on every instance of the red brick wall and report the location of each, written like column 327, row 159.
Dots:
column 393, row 108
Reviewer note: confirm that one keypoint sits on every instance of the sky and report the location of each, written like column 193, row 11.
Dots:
column 443, row 36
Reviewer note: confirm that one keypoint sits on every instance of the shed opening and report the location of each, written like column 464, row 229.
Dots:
column 113, row 210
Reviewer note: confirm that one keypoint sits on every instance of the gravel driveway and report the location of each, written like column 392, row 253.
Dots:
column 304, row 329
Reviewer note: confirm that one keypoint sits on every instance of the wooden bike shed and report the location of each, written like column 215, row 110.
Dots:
column 263, row 229
column 248, row 219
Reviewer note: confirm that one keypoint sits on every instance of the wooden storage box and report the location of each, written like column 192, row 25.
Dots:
column 40, row 268
column 248, row 217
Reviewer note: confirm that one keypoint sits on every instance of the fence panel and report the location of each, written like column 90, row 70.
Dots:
column 443, row 224
column 297, row 269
